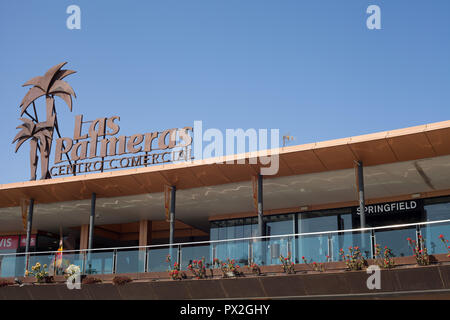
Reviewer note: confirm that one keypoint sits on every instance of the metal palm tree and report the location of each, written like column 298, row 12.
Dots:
column 48, row 85
column 39, row 135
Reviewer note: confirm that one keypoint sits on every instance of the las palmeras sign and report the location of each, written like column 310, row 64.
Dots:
column 95, row 145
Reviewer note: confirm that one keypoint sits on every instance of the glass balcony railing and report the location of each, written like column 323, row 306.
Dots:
column 314, row 246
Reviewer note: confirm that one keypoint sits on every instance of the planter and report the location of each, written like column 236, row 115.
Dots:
column 46, row 279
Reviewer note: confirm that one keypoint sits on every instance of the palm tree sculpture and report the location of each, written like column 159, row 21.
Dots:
column 39, row 135
column 48, row 85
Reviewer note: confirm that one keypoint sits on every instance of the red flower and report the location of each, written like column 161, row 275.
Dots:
column 441, row 236
column 303, row 258
column 408, row 239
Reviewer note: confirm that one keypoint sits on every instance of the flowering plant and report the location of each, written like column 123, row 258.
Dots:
column 71, row 270
column 420, row 251
column 287, row 264
column 198, row 268
column 91, row 280
column 315, row 266
column 385, row 259
column 121, row 280
column 254, row 267
column 354, row 260
column 4, row 283
column 174, row 271
column 445, row 242
column 39, row 272
column 229, row 268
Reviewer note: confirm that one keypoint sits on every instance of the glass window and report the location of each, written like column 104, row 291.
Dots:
column 316, row 221
column 437, row 209
column 280, row 224
column 396, row 240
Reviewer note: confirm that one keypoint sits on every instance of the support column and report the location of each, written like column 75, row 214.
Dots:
column 145, row 233
column 145, row 238
column 84, row 236
column 92, row 221
column 259, row 244
column 360, row 175
column 261, row 224
column 29, row 225
column 172, row 214
column 88, row 264
column 362, row 209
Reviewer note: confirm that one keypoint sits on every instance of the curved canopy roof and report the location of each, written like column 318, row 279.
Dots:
column 420, row 142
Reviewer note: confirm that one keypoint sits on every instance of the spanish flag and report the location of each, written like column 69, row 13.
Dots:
column 59, row 254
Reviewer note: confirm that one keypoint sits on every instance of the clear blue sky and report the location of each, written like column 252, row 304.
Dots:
column 310, row 68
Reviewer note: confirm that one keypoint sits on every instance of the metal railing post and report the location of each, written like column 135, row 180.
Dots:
column 330, row 248
column 146, row 259
column 372, row 243
column 418, row 234
column 27, row 261
column 83, row 262
column 114, row 268
column 179, row 255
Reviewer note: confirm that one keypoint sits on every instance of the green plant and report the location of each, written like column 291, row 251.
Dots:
column 198, row 268
column 174, row 270
column 354, row 260
column 320, row 267
column 40, row 273
column 446, row 245
column 384, row 258
column 121, row 280
column 420, row 251
column 229, row 268
column 254, row 267
column 71, row 270
column 4, row 283
column 287, row 264
column 90, row 280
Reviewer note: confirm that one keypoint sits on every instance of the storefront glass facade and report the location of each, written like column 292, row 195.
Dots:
column 316, row 247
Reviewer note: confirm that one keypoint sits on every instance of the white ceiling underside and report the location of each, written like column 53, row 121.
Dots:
column 195, row 206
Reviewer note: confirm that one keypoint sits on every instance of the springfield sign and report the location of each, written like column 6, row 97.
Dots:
column 98, row 147
column 387, row 208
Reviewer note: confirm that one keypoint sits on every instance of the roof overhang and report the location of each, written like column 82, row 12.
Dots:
column 425, row 141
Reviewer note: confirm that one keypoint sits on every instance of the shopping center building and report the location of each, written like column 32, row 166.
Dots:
column 121, row 204
column 308, row 206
